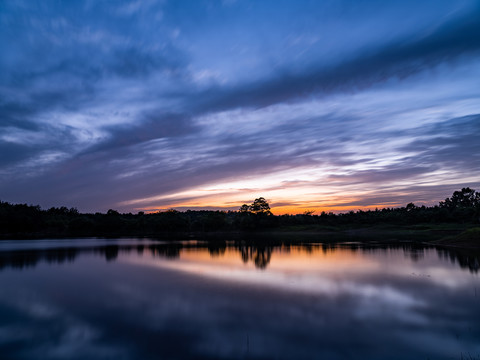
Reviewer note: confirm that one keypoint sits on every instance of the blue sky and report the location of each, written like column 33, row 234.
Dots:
column 315, row 105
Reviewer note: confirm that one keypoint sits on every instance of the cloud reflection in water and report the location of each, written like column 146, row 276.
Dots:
column 188, row 301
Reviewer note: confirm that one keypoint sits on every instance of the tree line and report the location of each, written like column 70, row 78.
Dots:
column 22, row 220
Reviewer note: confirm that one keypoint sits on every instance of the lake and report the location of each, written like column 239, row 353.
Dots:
column 145, row 299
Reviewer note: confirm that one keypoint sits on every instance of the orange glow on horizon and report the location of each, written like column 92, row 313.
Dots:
column 287, row 197
column 300, row 204
column 285, row 210
column 279, row 210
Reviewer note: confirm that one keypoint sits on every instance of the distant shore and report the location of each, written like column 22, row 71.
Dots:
column 451, row 235
column 453, row 222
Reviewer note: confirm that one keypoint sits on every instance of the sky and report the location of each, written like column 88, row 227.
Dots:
column 314, row 105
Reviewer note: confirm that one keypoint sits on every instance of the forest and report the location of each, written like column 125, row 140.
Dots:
column 28, row 221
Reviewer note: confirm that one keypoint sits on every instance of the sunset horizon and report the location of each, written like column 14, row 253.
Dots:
column 316, row 106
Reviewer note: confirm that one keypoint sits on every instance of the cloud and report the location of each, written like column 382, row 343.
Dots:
column 148, row 167
column 13, row 153
column 153, row 127
column 381, row 176
column 451, row 144
column 371, row 66
column 428, row 195
column 100, row 107
column 16, row 115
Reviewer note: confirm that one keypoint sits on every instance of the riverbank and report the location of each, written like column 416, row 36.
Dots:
column 469, row 238
column 447, row 234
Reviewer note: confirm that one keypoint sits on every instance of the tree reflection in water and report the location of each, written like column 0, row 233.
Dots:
column 259, row 254
column 183, row 300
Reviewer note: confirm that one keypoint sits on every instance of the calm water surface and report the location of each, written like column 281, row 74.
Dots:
column 140, row 299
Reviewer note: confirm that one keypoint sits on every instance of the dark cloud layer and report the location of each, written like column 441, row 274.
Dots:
column 399, row 60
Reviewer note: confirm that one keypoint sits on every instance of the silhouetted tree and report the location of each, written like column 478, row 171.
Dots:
column 410, row 207
column 465, row 198
column 259, row 206
column 244, row 208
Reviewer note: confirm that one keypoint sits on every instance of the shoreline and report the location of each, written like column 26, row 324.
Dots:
column 466, row 236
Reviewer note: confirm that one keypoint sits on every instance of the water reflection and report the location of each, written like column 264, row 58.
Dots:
column 236, row 300
column 258, row 254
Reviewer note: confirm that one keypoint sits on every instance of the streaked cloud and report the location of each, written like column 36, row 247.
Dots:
column 157, row 104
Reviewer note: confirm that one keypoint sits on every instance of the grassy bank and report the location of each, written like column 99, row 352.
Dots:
column 470, row 238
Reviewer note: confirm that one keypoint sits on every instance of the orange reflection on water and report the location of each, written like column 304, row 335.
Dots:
column 290, row 258
column 314, row 268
